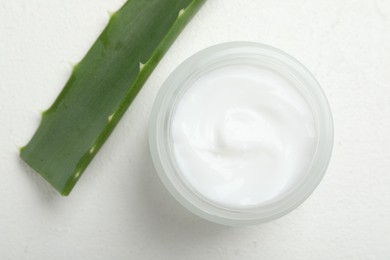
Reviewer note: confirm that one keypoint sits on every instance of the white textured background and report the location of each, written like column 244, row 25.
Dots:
column 120, row 210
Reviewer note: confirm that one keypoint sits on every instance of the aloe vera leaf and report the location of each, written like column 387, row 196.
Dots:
column 102, row 86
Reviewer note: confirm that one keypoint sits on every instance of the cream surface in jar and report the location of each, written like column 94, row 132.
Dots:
column 243, row 135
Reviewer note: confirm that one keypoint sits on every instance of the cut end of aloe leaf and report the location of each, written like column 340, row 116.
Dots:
column 102, row 86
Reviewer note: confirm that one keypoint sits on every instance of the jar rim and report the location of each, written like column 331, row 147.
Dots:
column 194, row 67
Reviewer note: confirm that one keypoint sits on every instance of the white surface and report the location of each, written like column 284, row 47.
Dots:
column 120, row 210
column 243, row 135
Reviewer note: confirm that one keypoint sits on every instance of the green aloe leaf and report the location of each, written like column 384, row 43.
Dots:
column 102, row 86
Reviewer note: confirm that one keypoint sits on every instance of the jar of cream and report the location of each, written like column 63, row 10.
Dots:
column 241, row 133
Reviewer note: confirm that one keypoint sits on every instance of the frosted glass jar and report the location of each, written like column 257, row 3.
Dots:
column 163, row 146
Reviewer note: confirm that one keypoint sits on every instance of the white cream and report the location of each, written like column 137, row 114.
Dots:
column 243, row 135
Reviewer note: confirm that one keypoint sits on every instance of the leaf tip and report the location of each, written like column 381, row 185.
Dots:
column 66, row 192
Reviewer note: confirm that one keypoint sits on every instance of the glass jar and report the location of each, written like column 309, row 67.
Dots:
column 238, row 53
